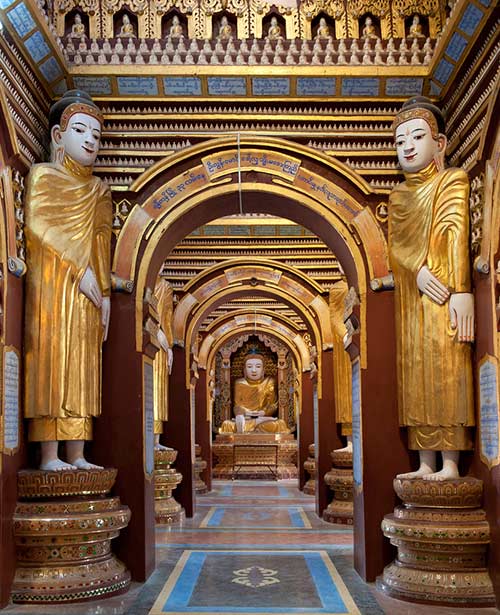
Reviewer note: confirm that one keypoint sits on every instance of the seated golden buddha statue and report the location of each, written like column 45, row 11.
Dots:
column 323, row 29
column 274, row 30
column 127, row 28
column 176, row 28
column 416, row 28
column 225, row 29
column 369, row 30
column 255, row 401
column 77, row 28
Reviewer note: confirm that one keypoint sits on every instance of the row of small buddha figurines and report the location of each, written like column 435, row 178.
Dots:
column 225, row 30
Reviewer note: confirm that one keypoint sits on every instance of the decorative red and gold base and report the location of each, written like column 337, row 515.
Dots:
column 199, row 466
column 167, row 510
column 310, row 468
column 255, row 466
column 340, row 481
column 63, row 542
column 442, row 538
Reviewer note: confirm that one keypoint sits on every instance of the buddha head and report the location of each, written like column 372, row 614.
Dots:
column 254, row 367
column 419, row 135
column 75, row 124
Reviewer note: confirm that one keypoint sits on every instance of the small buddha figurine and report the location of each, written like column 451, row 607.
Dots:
column 225, row 29
column 274, row 30
column 127, row 28
column 255, row 401
column 68, row 286
column 78, row 28
column 176, row 28
column 416, row 28
column 323, row 29
column 369, row 30
column 429, row 257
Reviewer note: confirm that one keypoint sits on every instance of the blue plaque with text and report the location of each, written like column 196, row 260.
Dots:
column 227, row 86
column 271, row 86
column 315, row 86
column 138, row 86
column 182, row 86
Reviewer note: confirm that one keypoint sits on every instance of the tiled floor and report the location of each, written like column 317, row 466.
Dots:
column 252, row 547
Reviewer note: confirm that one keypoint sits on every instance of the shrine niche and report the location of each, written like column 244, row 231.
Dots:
column 230, row 16
column 332, row 13
column 273, row 388
column 125, row 25
column 74, row 19
column 369, row 20
column 278, row 364
column 173, row 24
column 122, row 19
column 431, row 18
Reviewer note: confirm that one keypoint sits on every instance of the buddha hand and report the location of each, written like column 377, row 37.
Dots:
column 462, row 315
column 431, row 286
column 90, row 287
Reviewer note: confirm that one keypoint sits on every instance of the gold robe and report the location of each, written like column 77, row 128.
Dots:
column 429, row 225
column 254, row 396
column 164, row 295
column 342, row 385
column 68, row 227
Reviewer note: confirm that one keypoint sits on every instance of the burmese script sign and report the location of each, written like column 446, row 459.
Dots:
column 148, row 417
column 357, row 434
column 175, row 191
column 274, row 163
column 11, row 401
column 488, row 411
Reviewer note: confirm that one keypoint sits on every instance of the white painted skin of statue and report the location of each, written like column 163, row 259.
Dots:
column 254, row 372
column 80, row 141
column 416, row 149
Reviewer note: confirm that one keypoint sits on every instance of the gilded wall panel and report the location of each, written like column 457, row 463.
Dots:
column 64, row 25
column 310, row 9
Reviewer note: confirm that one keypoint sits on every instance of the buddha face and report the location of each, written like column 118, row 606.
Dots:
column 81, row 138
column 254, row 369
column 368, row 21
column 78, row 19
column 175, row 20
column 415, row 145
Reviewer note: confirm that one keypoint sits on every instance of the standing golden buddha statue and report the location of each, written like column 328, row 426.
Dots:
column 68, row 234
column 342, row 379
column 429, row 255
column 163, row 360
column 255, row 401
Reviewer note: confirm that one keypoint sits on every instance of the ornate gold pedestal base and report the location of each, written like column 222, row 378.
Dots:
column 310, row 468
column 442, row 537
column 223, row 456
column 63, row 543
column 199, row 465
column 340, row 481
column 167, row 510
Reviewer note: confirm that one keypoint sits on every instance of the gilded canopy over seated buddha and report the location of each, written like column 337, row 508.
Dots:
column 255, row 401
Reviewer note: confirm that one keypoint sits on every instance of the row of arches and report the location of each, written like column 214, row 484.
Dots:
column 215, row 179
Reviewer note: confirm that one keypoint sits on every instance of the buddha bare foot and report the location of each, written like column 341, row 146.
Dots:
column 423, row 471
column 160, row 447
column 345, row 449
column 56, row 465
column 447, row 473
column 82, row 464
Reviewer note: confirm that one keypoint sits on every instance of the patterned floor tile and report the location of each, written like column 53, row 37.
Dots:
column 254, row 582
